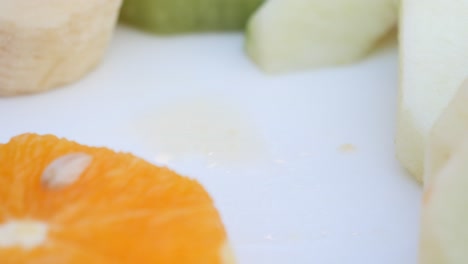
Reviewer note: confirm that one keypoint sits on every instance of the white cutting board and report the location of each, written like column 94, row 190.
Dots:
column 301, row 166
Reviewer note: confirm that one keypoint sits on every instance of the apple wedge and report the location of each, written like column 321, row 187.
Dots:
column 444, row 216
column 449, row 131
column 292, row 35
column 444, row 231
column 433, row 64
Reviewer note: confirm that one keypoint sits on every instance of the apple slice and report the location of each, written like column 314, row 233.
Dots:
column 444, row 232
column 448, row 133
column 434, row 62
column 290, row 35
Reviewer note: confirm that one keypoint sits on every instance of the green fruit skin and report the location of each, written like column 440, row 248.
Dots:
column 185, row 16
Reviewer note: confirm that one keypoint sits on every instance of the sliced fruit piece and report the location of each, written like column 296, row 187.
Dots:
column 444, row 214
column 447, row 133
column 433, row 58
column 49, row 43
column 446, row 180
column 110, row 208
column 174, row 16
column 289, row 35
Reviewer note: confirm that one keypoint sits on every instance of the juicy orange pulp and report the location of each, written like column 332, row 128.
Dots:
column 120, row 209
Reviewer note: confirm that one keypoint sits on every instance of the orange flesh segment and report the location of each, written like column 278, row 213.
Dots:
column 122, row 209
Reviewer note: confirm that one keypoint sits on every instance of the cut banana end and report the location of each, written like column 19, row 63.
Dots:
column 292, row 35
column 433, row 64
column 49, row 43
column 182, row 16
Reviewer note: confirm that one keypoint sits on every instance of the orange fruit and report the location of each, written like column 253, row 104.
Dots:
column 62, row 202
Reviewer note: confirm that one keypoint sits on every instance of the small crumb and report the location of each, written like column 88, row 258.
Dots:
column 347, row 148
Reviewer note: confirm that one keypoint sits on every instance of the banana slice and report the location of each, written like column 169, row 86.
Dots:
column 177, row 16
column 292, row 35
column 48, row 43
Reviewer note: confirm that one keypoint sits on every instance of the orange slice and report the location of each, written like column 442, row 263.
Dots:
column 62, row 202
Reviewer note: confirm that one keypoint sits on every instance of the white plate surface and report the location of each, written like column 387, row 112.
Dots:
column 301, row 166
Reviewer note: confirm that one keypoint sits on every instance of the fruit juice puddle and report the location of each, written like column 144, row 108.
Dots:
column 212, row 129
